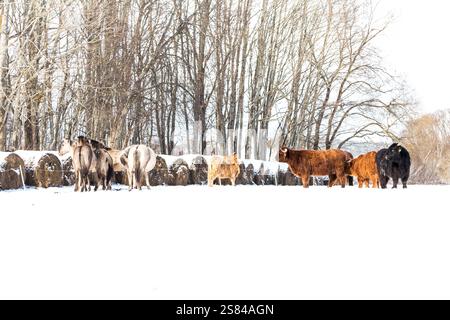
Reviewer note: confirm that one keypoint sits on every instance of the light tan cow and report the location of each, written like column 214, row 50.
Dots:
column 223, row 168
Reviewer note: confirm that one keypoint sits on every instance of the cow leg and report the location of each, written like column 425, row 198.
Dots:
column 88, row 183
column 405, row 182
column 395, row 178
column 350, row 181
column 367, row 183
column 96, row 181
column 147, row 180
column 305, row 181
column 374, row 182
column 82, row 183
column 210, row 180
column 135, row 183
column 102, row 182
column 383, row 181
column 331, row 180
column 360, row 182
column 130, row 180
column 343, row 180
column 138, row 183
column 77, row 181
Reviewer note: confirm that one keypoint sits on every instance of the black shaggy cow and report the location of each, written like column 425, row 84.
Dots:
column 394, row 163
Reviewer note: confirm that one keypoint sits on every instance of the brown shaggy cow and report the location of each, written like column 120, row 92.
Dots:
column 223, row 168
column 364, row 168
column 307, row 163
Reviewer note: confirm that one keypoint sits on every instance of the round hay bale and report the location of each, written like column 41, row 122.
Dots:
column 269, row 179
column 198, row 171
column 260, row 175
column 290, row 179
column 12, row 171
column 42, row 169
column 68, row 171
column 250, row 173
column 270, row 173
column 242, row 177
column 159, row 175
column 180, row 173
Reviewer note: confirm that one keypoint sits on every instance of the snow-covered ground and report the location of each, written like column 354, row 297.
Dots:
column 245, row 242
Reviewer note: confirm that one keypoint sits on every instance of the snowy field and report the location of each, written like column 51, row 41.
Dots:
column 245, row 242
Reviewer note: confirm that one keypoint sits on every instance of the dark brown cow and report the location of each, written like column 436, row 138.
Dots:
column 364, row 168
column 307, row 163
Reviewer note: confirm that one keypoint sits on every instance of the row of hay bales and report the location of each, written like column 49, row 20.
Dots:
column 31, row 168
column 46, row 169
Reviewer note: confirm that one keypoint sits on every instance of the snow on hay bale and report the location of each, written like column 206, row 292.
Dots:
column 266, row 174
column 179, row 173
column 198, row 170
column 260, row 172
column 159, row 175
column 259, row 177
column 12, row 171
column 42, row 169
column 271, row 172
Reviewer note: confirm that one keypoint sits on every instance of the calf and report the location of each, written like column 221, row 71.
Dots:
column 395, row 163
column 364, row 168
column 223, row 168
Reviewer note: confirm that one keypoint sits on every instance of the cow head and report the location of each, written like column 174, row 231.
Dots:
column 349, row 165
column 65, row 147
column 234, row 158
column 283, row 155
column 394, row 153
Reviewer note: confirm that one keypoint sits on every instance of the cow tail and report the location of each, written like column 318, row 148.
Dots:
column 84, row 168
column 137, row 166
column 110, row 173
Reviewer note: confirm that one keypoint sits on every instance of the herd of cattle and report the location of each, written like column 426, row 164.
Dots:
column 374, row 167
column 90, row 157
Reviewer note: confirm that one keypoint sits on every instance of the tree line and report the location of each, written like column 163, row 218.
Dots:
column 174, row 74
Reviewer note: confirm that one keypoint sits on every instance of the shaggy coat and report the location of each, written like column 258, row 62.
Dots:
column 223, row 168
column 89, row 157
column 364, row 168
column 102, row 163
column 307, row 163
column 395, row 163
column 82, row 159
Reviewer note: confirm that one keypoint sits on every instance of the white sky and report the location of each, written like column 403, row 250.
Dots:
column 417, row 46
